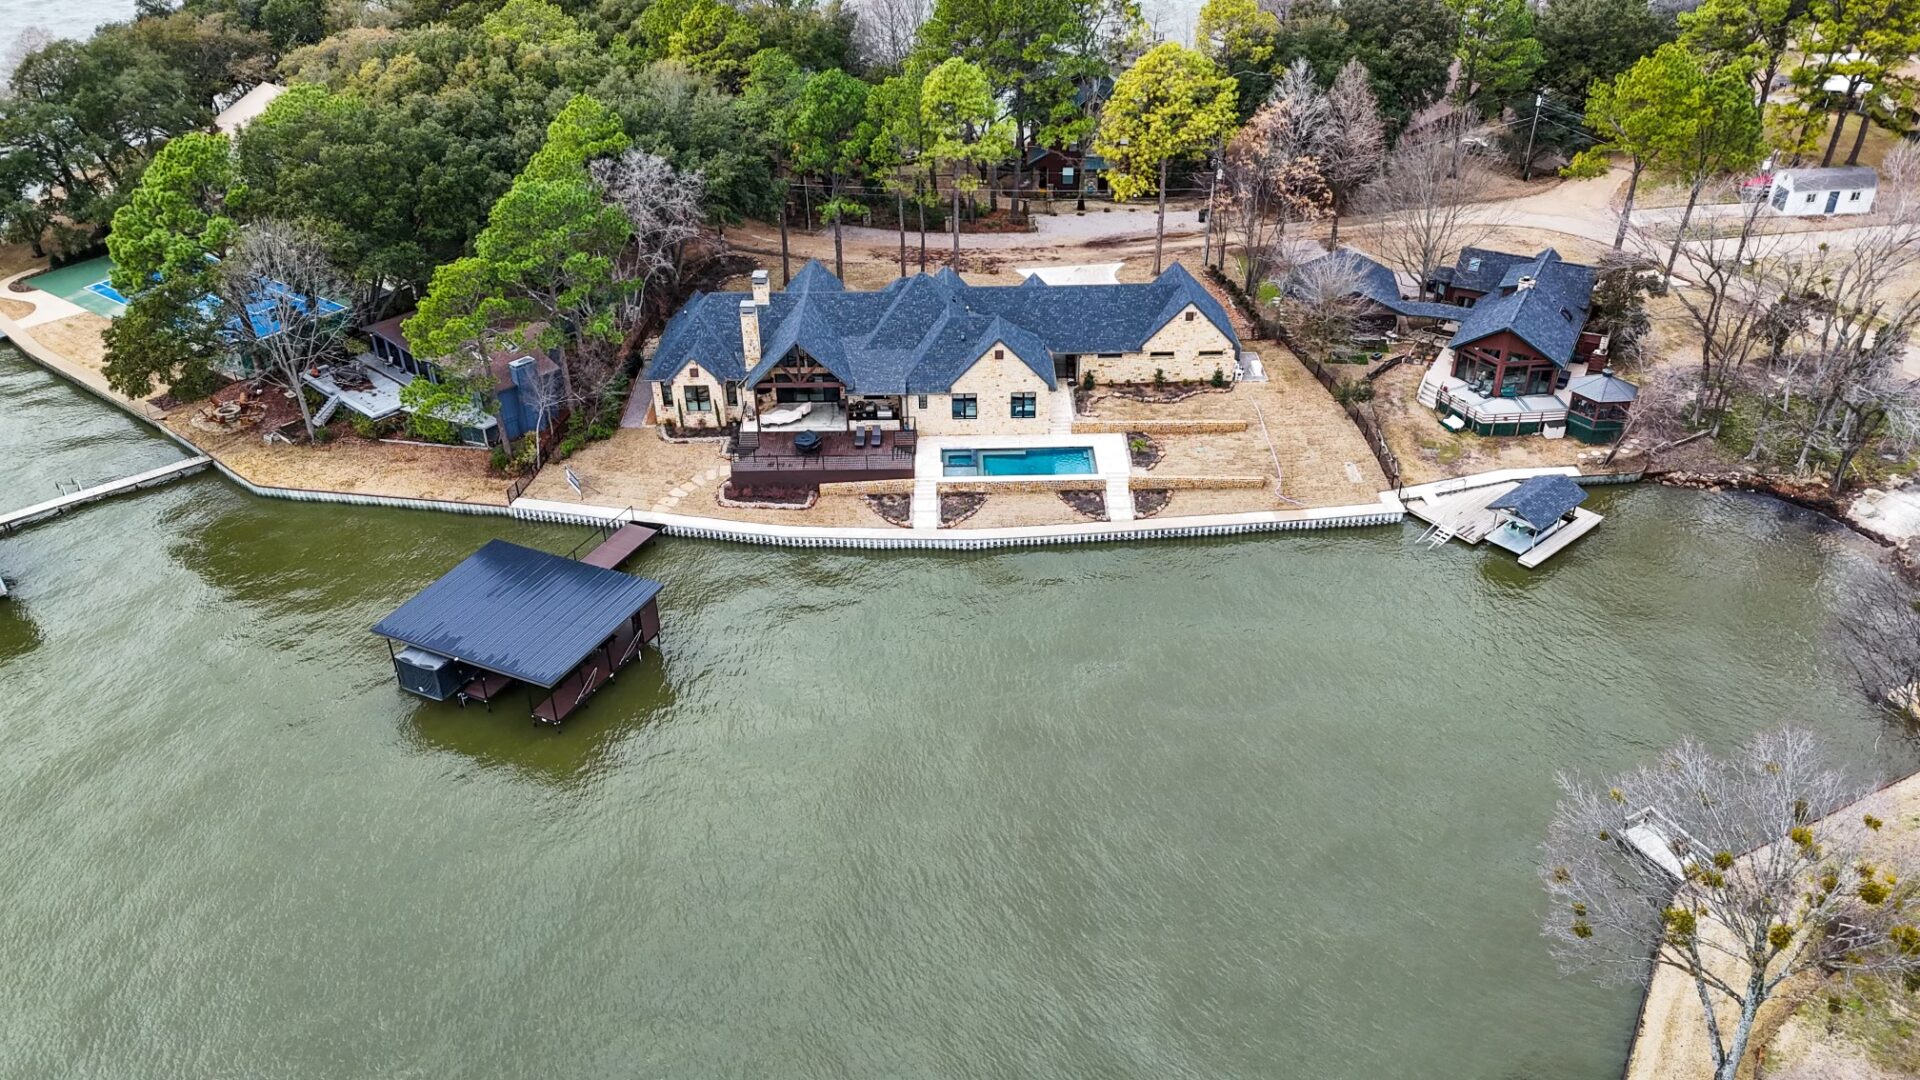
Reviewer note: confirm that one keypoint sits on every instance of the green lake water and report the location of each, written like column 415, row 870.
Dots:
column 1242, row 808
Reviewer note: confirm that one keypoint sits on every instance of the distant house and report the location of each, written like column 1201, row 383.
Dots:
column 1065, row 170
column 929, row 353
column 525, row 382
column 1824, row 192
column 249, row 106
column 1386, row 309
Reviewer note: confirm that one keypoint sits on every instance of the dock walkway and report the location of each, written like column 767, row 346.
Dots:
column 54, row 507
column 620, row 546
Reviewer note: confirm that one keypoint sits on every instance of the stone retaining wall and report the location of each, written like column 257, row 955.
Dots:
column 869, row 487
column 1158, row 427
column 1195, row 483
column 1036, row 485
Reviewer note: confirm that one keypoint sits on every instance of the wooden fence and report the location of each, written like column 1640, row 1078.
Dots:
column 1362, row 415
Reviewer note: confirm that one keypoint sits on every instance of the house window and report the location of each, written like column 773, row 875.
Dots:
column 999, row 354
column 965, row 407
column 1853, row 196
column 1212, row 354
column 1109, row 356
column 1066, row 176
column 1160, row 356
column 1189, row 316
column 1473, row 263
column 699, row 399
column 733, row 394
column 923, row 401
column 1809, row 199
column 666, row 394
column 1024, row 407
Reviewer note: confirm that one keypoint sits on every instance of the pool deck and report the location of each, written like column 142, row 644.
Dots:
column 1111, row 468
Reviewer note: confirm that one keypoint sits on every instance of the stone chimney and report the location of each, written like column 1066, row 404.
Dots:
column 750, row 332
column 761, row 289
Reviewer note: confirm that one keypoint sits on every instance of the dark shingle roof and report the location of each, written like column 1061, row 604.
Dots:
column 519, row 612
column 1543, row 299
column 1541, row 500
column 909, row 335
column 1603, row 387
column 1380, row 285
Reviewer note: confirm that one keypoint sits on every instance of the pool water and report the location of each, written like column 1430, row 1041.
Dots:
column 1036, row 461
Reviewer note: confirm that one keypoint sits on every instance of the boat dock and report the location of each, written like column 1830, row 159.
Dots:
column 512, row 616
column 1471, row 509
column 17, row 519
column 619, row 546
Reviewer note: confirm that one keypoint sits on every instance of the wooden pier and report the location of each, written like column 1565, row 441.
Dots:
column 1462, row 510
column 17, row 519
column 619, row 546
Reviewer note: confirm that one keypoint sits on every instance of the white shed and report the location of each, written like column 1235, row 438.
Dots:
column 1819, row 192
column 251, row 104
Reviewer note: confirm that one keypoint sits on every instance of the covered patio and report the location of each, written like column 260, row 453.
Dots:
column 1462, row 407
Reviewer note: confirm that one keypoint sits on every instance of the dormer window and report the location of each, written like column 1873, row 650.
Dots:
column 1567, row 315
column 1473, row 264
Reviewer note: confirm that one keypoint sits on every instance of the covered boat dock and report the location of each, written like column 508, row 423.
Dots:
column 512, row 615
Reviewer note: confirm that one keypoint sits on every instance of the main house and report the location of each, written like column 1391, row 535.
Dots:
column 929, row 353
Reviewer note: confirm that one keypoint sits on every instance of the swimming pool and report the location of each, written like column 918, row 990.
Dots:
column 1031, row 461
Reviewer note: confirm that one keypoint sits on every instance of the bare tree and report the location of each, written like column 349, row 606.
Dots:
column 276, row 286
column 1321, row 305
column 1426, row 204
column 887, row 30
column 30, row 40
column 664, row 206
column 1274, row 170
column 1740, row 873
column 1356, row 144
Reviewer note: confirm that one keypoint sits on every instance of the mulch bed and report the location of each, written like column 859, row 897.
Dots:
column 766, row 498
column 1165, row 395
column 675, row 434
column 897, row 509
column 1150, row 501
column 1145, row 450
column 958, row 507
column 1088, row 504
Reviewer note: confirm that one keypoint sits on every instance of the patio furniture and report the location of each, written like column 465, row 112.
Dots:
column 791, row 414
column 807, row 442
column 859, row 438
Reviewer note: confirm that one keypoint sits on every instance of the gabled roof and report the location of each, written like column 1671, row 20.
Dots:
column 1380, row 285
column 1543, row 300
column 1481, row 269
column 909, row 336
column 1541, row 500
column 519, row 612
column 1841, row 178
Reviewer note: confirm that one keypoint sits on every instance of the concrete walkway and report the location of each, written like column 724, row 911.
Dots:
column 20, row 332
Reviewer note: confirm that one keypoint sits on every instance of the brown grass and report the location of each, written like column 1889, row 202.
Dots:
column 352, row 465
column 1004, row 511
column 636, row 467
column 77, row 338
column 1429, row 452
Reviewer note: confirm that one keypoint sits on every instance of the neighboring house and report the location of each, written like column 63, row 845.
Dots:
column 930, row 354
column 1824, row 192
column 526, row 383
column 250, row 105
column 1380, row 287
column 1521, row 352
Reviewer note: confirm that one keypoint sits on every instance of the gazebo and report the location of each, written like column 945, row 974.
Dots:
column 1597, row 406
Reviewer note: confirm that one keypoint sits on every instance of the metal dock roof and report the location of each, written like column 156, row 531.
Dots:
column 519, row 612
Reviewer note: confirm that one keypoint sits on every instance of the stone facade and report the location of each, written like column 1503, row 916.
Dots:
column 675, row 392
column 992, row 381
column 1188, row 349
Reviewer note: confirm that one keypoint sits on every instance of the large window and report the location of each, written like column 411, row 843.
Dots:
column 965, row 407
column 1025, row 407
column 733, row 394
column 699, row 399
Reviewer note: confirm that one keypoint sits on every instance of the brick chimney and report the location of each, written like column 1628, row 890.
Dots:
column 761, row 289
column 750, row 332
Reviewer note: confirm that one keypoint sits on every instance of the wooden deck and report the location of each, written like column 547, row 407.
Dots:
column 55, row 507
column 594, row 672
column 1583, row 523
column 1462, row 515
column 619, row 547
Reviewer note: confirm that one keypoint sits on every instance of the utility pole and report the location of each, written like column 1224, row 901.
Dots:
column 1206, row 250
column 1526, row 167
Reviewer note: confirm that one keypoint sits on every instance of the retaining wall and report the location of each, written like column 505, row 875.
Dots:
column 1150, row 482
column 1158, row 427
column 869, row 487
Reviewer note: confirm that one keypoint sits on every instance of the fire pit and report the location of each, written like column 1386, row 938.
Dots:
column 807, row 442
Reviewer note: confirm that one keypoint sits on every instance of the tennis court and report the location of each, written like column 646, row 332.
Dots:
column 83, row 284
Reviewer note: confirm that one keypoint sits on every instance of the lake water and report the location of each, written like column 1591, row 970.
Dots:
column 1248, row 808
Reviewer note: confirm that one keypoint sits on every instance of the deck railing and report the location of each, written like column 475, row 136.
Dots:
column 890, row 461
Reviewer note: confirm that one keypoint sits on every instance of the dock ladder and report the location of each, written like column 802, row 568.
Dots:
column 1435, row 536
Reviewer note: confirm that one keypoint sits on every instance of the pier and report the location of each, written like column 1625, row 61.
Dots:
column 17, row 519
column 1533, row 514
